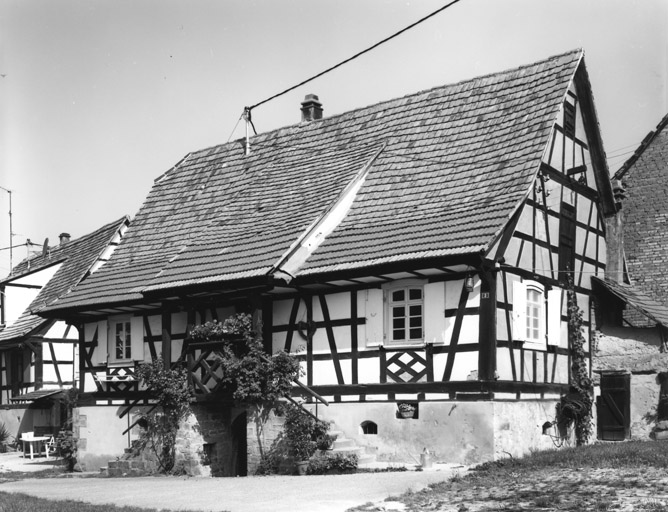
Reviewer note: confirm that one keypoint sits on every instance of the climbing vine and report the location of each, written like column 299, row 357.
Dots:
column 248, row 373
column 576, row 406
column 171, row 390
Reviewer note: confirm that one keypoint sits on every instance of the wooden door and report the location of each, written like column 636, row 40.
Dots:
column 614, row 407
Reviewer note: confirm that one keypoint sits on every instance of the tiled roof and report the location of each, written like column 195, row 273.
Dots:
column 448, row 168
column 77, row 258
column 636, row 299
column 33, row 396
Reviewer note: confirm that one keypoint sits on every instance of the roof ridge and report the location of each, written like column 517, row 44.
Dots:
column 60, row 250
column 269, row 134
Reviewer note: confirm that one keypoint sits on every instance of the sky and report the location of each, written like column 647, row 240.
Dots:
column 100, row 97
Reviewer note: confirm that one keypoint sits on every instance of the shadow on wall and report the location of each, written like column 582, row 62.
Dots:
column 39, row 415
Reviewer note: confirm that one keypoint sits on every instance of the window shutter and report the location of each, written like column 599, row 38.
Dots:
column 101, row 351
column 434, row 319
column 374, row 317
column 137, row 338
column 554, row 316
column 519, row 310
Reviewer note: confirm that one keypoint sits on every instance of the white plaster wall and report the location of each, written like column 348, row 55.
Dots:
column 456, row 432
column 518, row 427
column 100, row 431
column 24, row 419
column 18, row 299
column 64, row 353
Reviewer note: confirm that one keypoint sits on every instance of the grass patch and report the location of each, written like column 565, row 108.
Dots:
column 598, row 477
column 11, row 502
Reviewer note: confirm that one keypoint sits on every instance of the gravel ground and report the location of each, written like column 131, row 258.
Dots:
column 317, row 493
column 548, row 490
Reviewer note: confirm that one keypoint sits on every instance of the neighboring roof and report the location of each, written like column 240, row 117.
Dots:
column 445, row 169
column 32, row 396
column 77, row 257
column 645, row 178
column 637, row 299
column 648, row 142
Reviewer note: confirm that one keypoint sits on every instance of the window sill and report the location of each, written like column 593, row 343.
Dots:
column 120, row 363
column 533, row 345
column 412, row 344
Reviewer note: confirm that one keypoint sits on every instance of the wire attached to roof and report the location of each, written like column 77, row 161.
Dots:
column 354, row 56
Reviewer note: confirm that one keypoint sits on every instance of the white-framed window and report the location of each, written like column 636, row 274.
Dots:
column 125, row 339
column 121, row 339
column 536, row 314
column 405, row 312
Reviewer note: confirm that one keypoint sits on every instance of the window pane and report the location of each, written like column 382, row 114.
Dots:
column 415, row 321
column 415, row 293
column 398, row 334
column 398, row 312
column 399, row 323
column 416, row 334
column 415, row 310
column 398, row 295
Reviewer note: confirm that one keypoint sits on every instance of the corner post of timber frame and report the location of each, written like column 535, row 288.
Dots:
column 267, row 322
column 82, row 357
column 487, row 322
column 167, row 337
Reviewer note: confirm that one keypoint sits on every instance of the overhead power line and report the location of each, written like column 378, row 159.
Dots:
column 437, row 11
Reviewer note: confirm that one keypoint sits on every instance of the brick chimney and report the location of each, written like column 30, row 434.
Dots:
column 311, row 108
column 64, row 238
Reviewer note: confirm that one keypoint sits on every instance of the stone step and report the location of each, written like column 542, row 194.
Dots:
column 342, row 443
column 124, row 467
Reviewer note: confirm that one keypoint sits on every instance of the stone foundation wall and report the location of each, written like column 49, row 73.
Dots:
column 206, row 444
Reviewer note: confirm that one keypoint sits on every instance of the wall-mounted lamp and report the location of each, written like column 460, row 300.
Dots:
column 468, row 283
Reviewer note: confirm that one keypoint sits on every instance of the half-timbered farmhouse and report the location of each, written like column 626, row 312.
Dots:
column 632, row 324
column 415, row 250
column 38, row 356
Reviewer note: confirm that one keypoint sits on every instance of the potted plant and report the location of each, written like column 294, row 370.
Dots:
column 406, row 409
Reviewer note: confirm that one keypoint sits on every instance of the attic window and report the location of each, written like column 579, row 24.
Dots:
column 569, row 120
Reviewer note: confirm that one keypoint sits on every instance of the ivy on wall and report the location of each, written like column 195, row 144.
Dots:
column 576, row 406
column 170, row 388
column 248, row 374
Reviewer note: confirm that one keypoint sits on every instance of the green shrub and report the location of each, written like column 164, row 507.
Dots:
column 332, row 463
column 67, row 448
column 4, row 434
column 303, row 432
